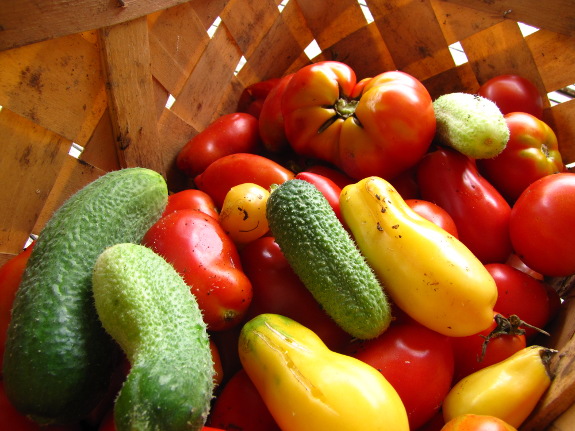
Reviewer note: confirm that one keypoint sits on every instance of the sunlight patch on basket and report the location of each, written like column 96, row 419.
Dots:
column 366, row 11
column 282, row 5
column 458, row 54
column 312, row 50
column 241, row 64
column 214, row 27
column 170, row 101
column 75, row 150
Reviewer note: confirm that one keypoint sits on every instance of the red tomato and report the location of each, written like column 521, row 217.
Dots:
column 517, row 263
column 532, row 152
column 541, row 225
column 406, row 184
column 232, row 133
column 192, row 199
column 335, row 175
column 496, row 343
column 513, row 93
column 277, row 289
column 520, row 294
column 240, row 168
column 271, row 121
column 450, row 180
column 208, row 260
column 433, row 213
column 473, row 422
column 327, row 187
column 252, row 98
column 10, row 276
column 418, row 363
column 239, row 406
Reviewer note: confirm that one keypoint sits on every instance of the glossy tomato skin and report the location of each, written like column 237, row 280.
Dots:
column 433, row 213
column 470, row 356
column 473, row 422
column 191, row 199
column 513, row 93
column 234, row 169
column 327, row 187
column 378, row 126
column 531, row 153
column 451, row 180
column 418, row 363
column 541, row 225
column 239, row 406
column 333, row 174
column 277, row 289
column 271, row 121
column 520, row 294
column 229, row 134
column 10, row 277
column 208, row 260
column 253, row 96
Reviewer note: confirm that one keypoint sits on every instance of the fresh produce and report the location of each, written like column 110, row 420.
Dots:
column 306, row 386
column 470, row 124
column 416, row 361
column 325, row 258
column 243, row 213
column 191, row 199
column 471, row 422
column 208, row 260
column 428, row 273
column 240, row 168
column 58, row 358
column 541, row 225
column 451, row 180
column 513, row 93
column 509, row 389
column 229, row 134
column 253, row 96
column 531, row 153
column 326, row 186
column 433, row 213
column 377, row 126
column 271, row 120
column 170, row 383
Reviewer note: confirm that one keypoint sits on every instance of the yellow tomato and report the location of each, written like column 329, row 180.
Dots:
column 470, row 422
column 243, row 213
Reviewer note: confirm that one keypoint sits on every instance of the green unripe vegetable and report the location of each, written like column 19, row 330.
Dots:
column 148, row 308
column 326, row 259
column 58, row 359
column 470, row 124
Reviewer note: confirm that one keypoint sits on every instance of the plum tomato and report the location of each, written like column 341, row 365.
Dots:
column 191, row 199
column 433, row 213
column 513, row 93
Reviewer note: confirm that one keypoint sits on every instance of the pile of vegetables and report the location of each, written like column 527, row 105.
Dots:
column 348, row 252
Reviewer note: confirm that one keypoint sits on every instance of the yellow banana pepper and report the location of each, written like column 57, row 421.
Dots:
column 308, row 387
column 427, row 272
column 509, row 389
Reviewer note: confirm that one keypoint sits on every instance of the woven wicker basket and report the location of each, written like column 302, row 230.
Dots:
column 98, row 74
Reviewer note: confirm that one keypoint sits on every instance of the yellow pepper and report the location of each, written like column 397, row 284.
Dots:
column 427, row 272
column 509, row 389
column 306, row 386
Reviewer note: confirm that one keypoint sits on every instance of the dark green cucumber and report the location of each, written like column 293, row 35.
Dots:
column 148, row 308
column 326, row 259
column 58, row 358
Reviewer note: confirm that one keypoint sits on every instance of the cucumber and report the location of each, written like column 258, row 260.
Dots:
column 470, row 124
column 148, row 308
column 326, row 259
column 58, row 358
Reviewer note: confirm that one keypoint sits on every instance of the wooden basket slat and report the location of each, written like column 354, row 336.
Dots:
column 100, row 151
column 554, row 15
column 562, row 118
column 56, row 84
column 32, row 157
column 208, row 10
column 460, row 78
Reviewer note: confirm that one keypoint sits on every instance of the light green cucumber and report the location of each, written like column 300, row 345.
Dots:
column 326, row 259
column 58, row 358
column 148, row 308
column 470, row 124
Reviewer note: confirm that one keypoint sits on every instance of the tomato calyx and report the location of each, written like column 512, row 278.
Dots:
column 344, row 108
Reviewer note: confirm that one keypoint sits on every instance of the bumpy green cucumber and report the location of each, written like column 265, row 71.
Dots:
column 148, row 308
column 326, row 259
column 58, row 358
column 470, row 124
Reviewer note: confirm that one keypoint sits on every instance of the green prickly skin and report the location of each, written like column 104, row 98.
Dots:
column 58, row 358
column 147, row 307
column 326, row 259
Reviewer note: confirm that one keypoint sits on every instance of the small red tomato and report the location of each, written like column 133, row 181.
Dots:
column 433, row 213
column 327, row 187
column 229, row 134
column 208, row 260
column 253, row 97
column 239, row 406
column 513, row 93
column 333, row 174
column 520, row 294
column 271, row 122
column 417, row 362
column 473, row 422
column 496, row 343
column 541, row 225
column 192, row 199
